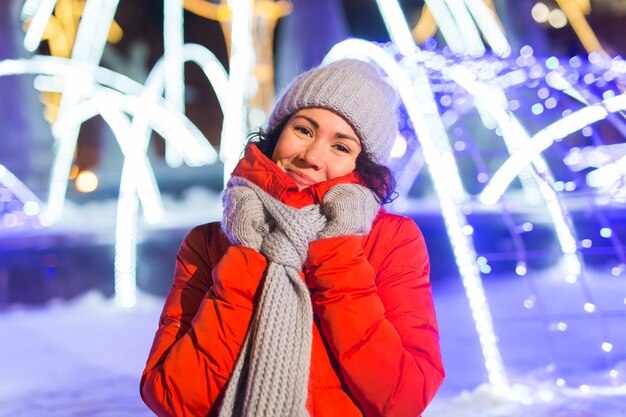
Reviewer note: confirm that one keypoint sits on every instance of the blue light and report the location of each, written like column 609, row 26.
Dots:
column 537, row 108
column 559, row 186
column 552, row 62
column 526, row 51
column 606, row 232
column 575, row 62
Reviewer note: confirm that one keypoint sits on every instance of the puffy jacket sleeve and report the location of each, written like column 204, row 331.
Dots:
column 380, row 325
column 202, row 326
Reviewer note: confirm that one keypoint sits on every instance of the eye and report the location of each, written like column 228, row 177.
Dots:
column 342, row 148
column 304, row 130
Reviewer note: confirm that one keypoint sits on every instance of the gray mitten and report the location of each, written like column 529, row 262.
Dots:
column 350, row 210
column 244, row 221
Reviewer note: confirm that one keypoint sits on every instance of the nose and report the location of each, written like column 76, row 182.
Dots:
column 312, row 155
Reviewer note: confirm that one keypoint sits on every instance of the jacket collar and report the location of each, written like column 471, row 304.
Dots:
column 261, row 171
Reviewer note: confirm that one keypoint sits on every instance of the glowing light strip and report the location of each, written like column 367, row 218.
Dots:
column 174, row 66
column 441, row 173
column 608, row 175
column 558, row 82
column 127, row 208
column 68, row 68
column 241, row 61
column 467, row 27
column 208, row 63
column 41, row 11
column 88, row 47
column 29, row 8
column 397, row 26
column 17, row 187
column 447, row 26
column 489, row 27
column 93, row 30
column 542, row 140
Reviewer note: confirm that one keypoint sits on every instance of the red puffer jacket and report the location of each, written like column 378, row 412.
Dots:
column 375, row 338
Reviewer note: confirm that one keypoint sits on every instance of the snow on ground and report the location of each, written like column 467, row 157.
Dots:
column 83, row 357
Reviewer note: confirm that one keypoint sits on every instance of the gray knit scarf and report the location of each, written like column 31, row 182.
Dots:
column 270, row 377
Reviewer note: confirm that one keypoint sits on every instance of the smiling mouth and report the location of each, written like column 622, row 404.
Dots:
column 300, row 178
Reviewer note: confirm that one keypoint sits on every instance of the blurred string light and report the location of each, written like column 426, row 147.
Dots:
column 493, row 102
column 27, row 206
column 240, row 63
column 543, row 139
column 173, row 67
column 462, row 23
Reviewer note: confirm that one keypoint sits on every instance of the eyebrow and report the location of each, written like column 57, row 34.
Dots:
column 339, row 135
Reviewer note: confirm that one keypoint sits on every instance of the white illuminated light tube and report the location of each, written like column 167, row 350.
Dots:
column 447, row 26
column 127, row 211
column 174, row 66
column 489, row 27
column 397, row 26
column 40, row 12
column 467, row 27
column 444, row 177
column 241, row 62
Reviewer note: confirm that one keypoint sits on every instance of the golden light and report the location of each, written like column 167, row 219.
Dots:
column 74, row 172
column 86, row 181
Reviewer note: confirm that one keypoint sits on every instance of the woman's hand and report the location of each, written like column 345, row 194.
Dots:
column 350, row 210
column 245, row 221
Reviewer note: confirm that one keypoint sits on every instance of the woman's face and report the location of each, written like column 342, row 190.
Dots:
column 316, row 145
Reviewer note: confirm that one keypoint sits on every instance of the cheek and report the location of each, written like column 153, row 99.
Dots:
column 342, row 168
column 283, row 149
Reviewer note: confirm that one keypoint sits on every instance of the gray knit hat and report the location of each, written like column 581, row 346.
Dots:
column 354, row 90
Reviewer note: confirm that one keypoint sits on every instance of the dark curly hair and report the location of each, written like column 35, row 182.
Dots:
column 378, row 178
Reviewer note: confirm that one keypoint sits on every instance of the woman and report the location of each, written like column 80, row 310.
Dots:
column 308, row 298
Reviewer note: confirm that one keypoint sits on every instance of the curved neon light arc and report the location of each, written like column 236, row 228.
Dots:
column 208, row 63
column 70, row 68
column 142, row 171
column 542, row 140
column 171, row 126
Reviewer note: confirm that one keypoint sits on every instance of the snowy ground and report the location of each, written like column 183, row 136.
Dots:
column 83, row 358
